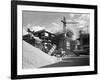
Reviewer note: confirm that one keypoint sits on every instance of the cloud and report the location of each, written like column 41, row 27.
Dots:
column 55, row 28
column 37, row 28
column 55, row 24
column 33, row 27
column 24, row 32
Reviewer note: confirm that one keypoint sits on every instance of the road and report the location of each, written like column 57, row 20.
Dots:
column 71, row 61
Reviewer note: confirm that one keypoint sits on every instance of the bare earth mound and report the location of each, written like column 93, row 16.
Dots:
column 32, row 57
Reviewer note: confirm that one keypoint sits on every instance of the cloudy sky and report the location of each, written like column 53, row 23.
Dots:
column 51, row 21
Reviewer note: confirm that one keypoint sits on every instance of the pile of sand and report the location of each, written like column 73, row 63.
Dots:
column 33, row 57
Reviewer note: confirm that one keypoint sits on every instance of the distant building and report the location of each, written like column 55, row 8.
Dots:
column 84, row 40
column 84, row 46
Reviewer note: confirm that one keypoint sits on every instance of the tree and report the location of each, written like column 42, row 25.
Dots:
column 69, row 33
